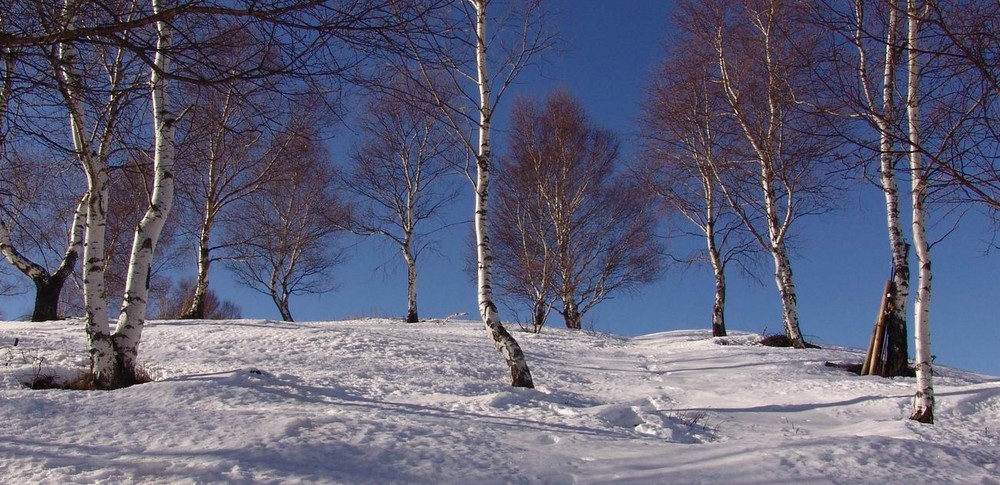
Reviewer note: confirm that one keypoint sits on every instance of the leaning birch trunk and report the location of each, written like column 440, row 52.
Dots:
column 98, row 327
column 519, row 373
column 133, row 315
column 923, row 402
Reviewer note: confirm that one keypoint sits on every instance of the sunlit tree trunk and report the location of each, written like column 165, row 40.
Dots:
column 898, row 348
column 132, row 318
column 519, row 372
column 923, row 402
column 98, row 327
column 411, row 280
column 715, row 259
column 767, row 144
column 197, row 308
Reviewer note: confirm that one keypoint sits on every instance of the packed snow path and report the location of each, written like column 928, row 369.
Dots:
column 379, row 401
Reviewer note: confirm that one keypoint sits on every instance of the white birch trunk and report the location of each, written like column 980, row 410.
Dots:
column 923, row 402
column 411, row 282
column 133, row 315
column 883, row 117
column 95, row 303
column 899, row 248
column 520, row 374
column 767, row 147
column 715, row 259
column 197, row 308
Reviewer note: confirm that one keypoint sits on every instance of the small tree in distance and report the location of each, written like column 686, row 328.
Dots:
column 399, row 176
column 178, row 300
column 595, row 228
column 285, row 230
column 683, row 149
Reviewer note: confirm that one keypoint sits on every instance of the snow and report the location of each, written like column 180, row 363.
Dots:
column 379, row 401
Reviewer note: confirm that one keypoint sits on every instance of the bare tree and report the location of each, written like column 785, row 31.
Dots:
column 48, row 285
column 178, row 300
column 524, row 246
column 684, row 145
column 33, row 230
column 286, row 228
column 444, row 66
column 923, row 403
column 93, row 148
column 400, row 176
column 81, row 39
column 601, row 231
column 224, row 158
column 764, row 69
column 865, row 55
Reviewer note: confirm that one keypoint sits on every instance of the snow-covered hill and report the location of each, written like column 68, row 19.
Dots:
column 385, row 402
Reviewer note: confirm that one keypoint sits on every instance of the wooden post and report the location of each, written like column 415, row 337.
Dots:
column 873, row 366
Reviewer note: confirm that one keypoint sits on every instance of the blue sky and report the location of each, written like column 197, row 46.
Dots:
column 609, row 51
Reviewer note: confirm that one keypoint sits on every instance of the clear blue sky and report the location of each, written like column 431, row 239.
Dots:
column 609, row 50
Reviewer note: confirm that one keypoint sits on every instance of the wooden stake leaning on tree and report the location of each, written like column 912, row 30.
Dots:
column 875, row 358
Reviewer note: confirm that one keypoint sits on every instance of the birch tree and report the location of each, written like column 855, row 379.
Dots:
column 524, row 245
column 461, row 64
column 92, row 148
column 869, row 90
column 684, row 143
column 48, row 285
column 225, row 158
column 132, row 318
column 319, row 40
column 600, row 227
column 765, row 73
column 287, row 229
column 400, row 174
column 923, row 402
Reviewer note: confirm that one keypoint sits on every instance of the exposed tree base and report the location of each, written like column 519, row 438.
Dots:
column 925, row 416
column 780, row 340
column 411, row 317
column 191, row 315
column 520, row 376
column 85, row 382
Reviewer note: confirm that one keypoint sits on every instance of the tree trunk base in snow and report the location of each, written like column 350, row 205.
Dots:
column 411, row 317
column 925, row 416
column 520, row 376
